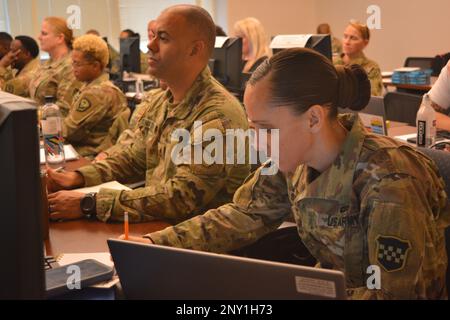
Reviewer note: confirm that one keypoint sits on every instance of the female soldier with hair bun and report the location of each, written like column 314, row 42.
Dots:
column 55, row 77
column 358, row 199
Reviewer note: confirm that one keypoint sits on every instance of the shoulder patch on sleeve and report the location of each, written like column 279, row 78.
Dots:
column 84, row 105
column 392, row 253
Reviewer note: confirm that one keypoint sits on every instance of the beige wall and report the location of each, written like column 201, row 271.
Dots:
column 26, row 15
column 409, row 27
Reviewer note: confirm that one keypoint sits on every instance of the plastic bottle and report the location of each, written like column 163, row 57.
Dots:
column 426, row 123
column 51, row 123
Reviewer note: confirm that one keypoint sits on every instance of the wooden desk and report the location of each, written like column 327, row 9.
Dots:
column 401, row 130
column 82, row 236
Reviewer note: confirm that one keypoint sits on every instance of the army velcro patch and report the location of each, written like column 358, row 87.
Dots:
column 392, row 253
column 83, row 105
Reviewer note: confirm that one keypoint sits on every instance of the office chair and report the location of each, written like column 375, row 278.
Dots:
column 442, row 160
column 419, row 62
column 402, row 107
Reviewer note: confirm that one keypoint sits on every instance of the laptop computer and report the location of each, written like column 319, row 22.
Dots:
column 163, row 273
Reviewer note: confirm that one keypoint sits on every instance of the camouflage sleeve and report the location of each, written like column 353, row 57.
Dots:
column 191, row 188
column 5, row 75
column 66, row 85
column 18, row 86
column 86, row 113
column 376, row 81
column 405, row 238
column 259, row 206
column 128, row 166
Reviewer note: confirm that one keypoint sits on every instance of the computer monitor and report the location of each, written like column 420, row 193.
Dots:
column 21, row 246
column 130, row 55
column 226, row 64
column 318, row 42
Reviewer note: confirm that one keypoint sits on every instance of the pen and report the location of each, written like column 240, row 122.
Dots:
column 60, row 169
column 126, row 225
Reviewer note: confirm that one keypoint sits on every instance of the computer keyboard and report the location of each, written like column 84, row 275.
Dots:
column 50, row 263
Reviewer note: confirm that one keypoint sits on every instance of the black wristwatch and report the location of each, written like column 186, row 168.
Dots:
column 88, row 205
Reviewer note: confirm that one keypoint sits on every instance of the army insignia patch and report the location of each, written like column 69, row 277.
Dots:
column 83, row 105
column 392, row 253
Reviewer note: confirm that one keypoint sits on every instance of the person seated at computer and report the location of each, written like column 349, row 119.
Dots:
column 440, row 97
column 98, row 103
column 114, row 56
column 128, row 33
column 336, row 44
column 18, row 66
column 255, row 45
column 356, row 39
column 193, row 103
column 358, row 199
column 55, row 76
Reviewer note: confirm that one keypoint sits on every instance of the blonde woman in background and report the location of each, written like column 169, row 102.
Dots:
column 55, row 77
column 356, row 39
column 255, row 44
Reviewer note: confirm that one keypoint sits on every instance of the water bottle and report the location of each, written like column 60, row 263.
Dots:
column 51, row 123
column 426, row 123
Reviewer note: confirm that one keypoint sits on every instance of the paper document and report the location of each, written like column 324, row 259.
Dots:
column 66, row 259
column 220, row 41
column 290, row 41
column 109, row 185
column 69, row 153
column 405, row 137
column 407, row 69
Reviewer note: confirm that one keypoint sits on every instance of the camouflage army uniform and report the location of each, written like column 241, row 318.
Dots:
column 380, row 203
column 114, row 60
column 172, row 192
column 95, row 108
column 127, row 137
column 372, row 69
column 336, row 46
column 17, row 82
column 55, row 79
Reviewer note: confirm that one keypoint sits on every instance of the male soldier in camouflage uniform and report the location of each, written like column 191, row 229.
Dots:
column 179, row 54
column 98, row 103
column 377, row 202
column 17, row 67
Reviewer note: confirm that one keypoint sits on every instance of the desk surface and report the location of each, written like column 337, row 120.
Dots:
column 388, row 83
column 83, row 236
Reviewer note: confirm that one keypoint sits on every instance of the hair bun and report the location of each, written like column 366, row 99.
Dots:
column 354, row 87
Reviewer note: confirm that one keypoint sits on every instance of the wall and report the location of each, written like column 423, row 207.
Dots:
column 26, row 16
column 409, row 27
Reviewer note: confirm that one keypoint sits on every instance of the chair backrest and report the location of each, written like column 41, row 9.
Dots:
column 442, row 160
column 375, row 107
column 402, row 107
column 419, row 62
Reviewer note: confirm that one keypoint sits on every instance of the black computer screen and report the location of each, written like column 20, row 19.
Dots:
column 320, row 43
column 226, row 64
column 21, row 245
column 130, row 55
